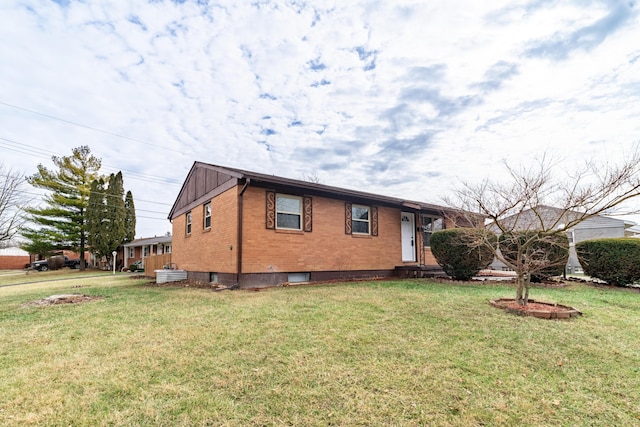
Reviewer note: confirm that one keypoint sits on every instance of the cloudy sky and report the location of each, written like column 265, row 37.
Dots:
column 403, row 98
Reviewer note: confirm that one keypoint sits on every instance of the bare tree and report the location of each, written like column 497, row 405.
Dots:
column 12, row 199
column 311, row 177
column 534, row 208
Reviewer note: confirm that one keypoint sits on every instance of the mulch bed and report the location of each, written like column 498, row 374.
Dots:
column 541, row 310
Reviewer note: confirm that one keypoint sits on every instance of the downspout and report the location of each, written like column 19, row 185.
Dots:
column 422, row 260
column 239, row 243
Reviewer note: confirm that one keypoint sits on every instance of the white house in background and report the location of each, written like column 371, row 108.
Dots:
column 597, row 227
column 139, row 249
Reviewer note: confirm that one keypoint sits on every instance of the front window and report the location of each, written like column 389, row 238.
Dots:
column 571, row 237
column 167, row 249
column 145, row 251
column 429, row 225
column 288, row 212
column 132, row 252
column 360, row 218
column 207, row 215
column 188, row 222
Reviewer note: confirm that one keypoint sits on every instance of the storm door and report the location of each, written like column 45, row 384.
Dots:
column 408, row 229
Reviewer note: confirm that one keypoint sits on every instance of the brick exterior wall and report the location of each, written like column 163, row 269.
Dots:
column 13, row 262
column 209, row 250
column 268, row 254
column 428, row 257
column 325, row 248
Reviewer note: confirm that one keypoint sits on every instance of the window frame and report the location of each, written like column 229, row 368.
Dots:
column 188, row 221
column 359, row 220
column 426, row 241
column 131, row 252
column 206, row 211
column 145, row 251
column 299, row 214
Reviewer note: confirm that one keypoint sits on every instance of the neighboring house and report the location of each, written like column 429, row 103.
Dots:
column 237, row 227
column 597, row 227
column 139, row 249
column 14, row 258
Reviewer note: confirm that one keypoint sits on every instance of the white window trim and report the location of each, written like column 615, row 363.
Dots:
column 207, row 215
column 354, row 220
column 299, row 214
column 188, row 223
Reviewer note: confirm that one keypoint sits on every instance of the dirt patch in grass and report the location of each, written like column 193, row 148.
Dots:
column 62, row 299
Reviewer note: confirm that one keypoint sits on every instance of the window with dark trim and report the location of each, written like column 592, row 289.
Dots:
column 361, row 219
column 207, row 215
column 188, row 226
column 429, row 225
column 289, row 212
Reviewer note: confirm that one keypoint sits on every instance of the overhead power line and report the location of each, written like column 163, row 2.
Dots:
column 111, row 195
column 106, row 132
column 19, row 147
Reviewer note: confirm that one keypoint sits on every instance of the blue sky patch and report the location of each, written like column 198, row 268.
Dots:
column 316, row 65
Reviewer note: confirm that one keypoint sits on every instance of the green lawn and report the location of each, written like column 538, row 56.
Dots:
column 11, row 277
column 401, row 353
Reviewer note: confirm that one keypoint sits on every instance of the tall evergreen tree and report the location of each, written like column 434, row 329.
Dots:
column 129, row 218
column 115, row 226
column 107, row 215
column 62, row 220
column 96, row 211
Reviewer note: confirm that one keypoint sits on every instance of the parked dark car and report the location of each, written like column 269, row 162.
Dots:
column 43, row 265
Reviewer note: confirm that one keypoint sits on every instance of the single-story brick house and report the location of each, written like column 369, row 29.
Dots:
column 14, row 258
column 139, row 249
column 238, row 227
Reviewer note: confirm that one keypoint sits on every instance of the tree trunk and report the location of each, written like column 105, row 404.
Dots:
column 520, row 288
column 82, row 239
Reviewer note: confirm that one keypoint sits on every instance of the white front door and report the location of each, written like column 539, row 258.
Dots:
column 408, row 229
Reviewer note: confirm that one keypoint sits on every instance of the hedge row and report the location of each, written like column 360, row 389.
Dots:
column 616, row 261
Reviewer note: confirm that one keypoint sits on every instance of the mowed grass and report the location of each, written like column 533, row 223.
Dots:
column 14, row 277
column 398, row 353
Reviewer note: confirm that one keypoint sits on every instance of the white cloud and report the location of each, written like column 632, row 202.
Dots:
column 402, row 98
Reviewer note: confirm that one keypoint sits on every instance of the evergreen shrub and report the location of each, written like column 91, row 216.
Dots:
column 616, row 261
column 460, row 253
